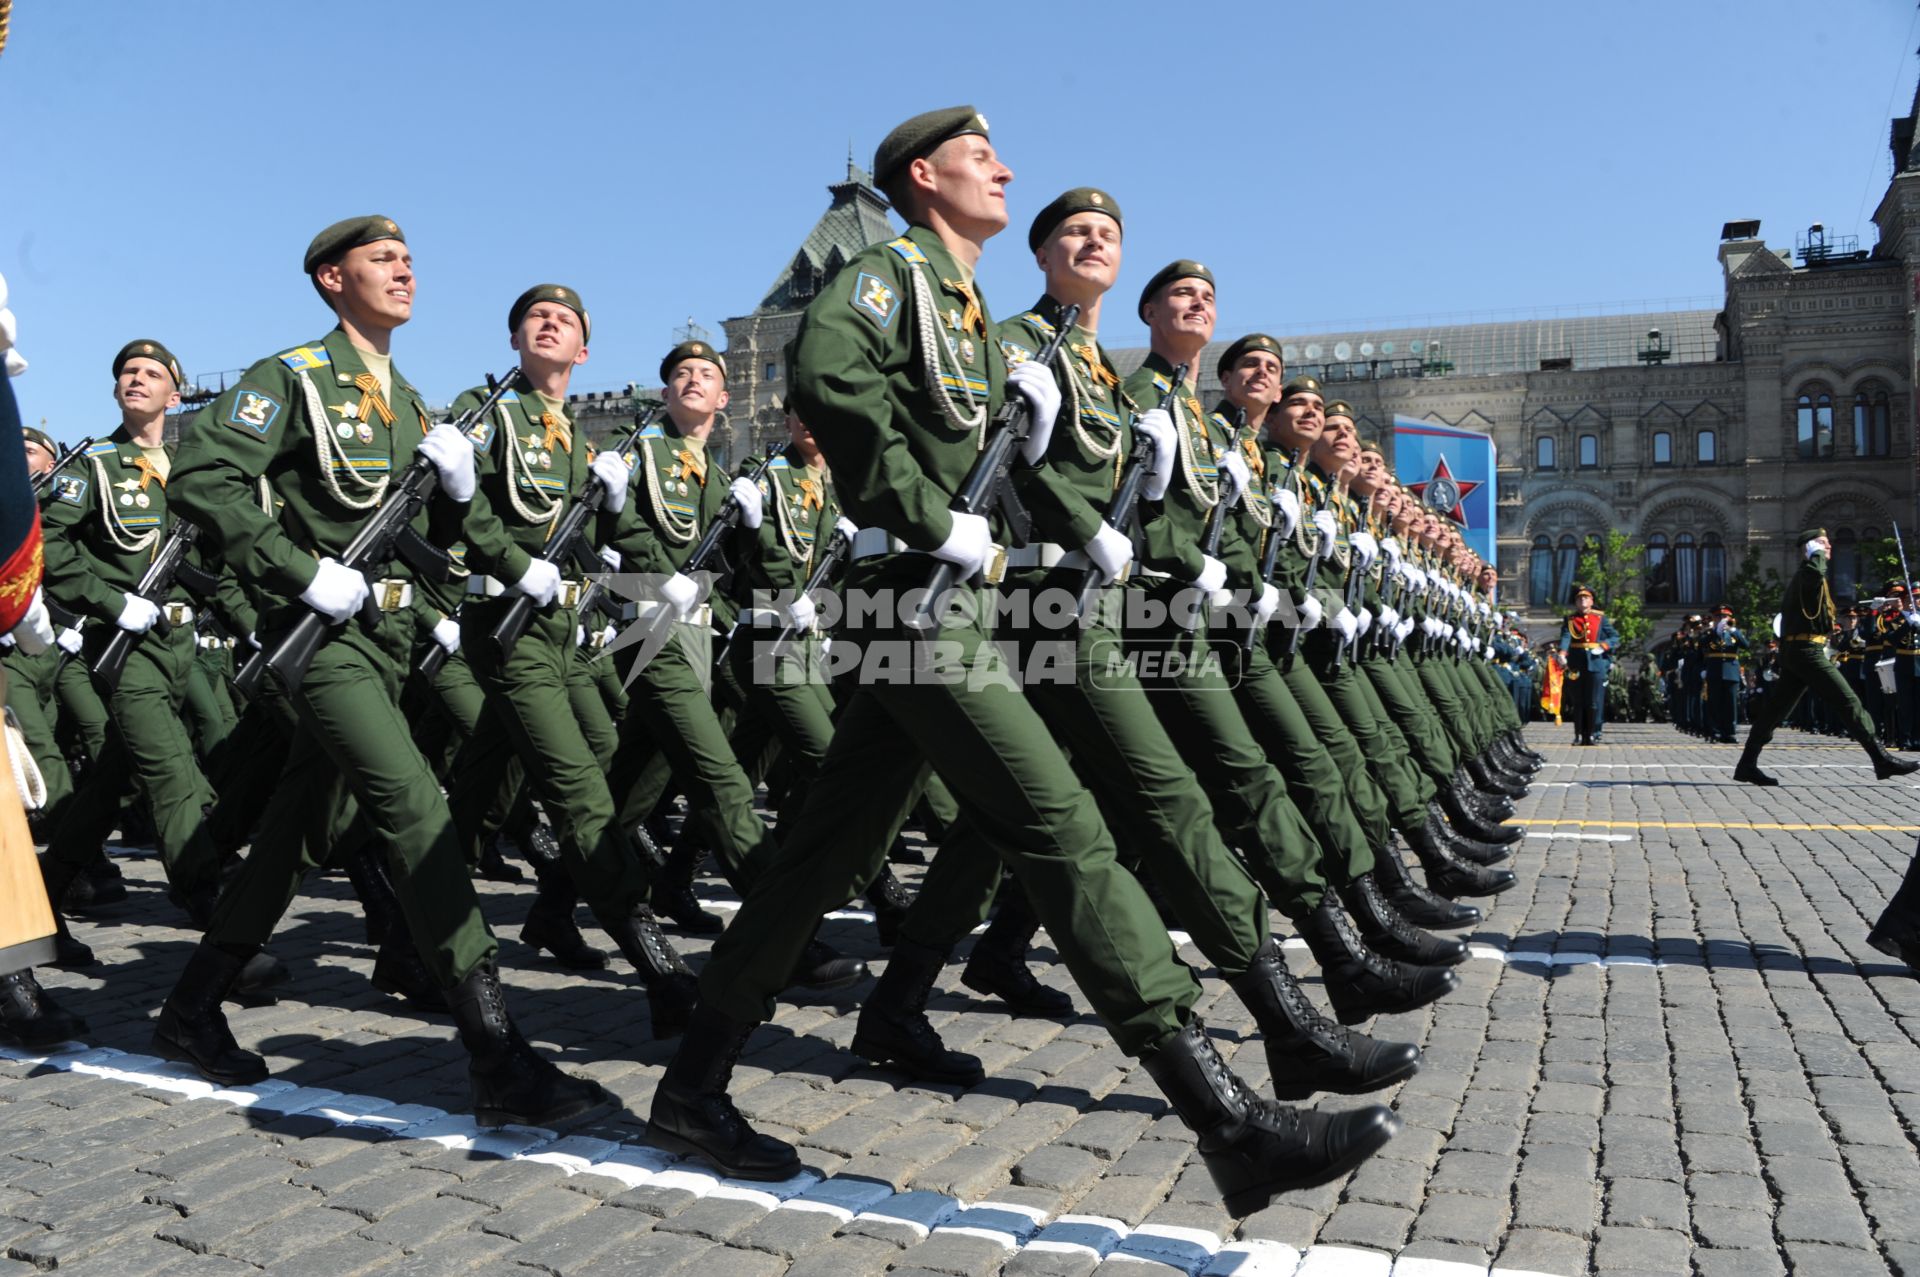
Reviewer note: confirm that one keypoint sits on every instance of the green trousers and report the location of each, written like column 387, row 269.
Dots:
column 354, row 741
column 1397, row 686
column 1804, row 668
column 1148, row 796
column 995, row 754
column 147, row 741
column 1367, row 793
column 30, row 697
column 209, row 709
column 786, row 707
column 532, row 712
column 83, row 714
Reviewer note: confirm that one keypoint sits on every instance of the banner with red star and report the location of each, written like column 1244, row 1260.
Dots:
column 1452, row 472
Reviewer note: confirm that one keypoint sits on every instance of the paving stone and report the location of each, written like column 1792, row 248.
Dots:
column 1650, row 1250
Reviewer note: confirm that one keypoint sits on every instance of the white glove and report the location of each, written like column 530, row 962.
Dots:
column 1035, row 383
column 1487, row 651
column 1366, row 620
column 845, row 527
column 1269, row 604
column 1213, row 574
column 970, row 541
column 446, row 632
column 1311, row 613
column 802, row 613
column 1156, row 425
column 1234, row 467
column 579, row 636
column 1446, row 629
column 540, row 582
column 1287, row 502
column 746, row 493
column 1416, row 577
column 1403, row 629
column 607, row 635
column 1365, row 547
column 1429, row 627
column 137, row 614
column 34, row 633
column 1323, row 520
column 1347, row 623
column 337, row 590
column 610, row 557
column 447, row 447
column 1776, row 625
column 1912, row 618
column 15, row 365
column 1110, row 551
column 70, row 640
column 681, row 593
column 1391, row 548
column 1389, row 619
column 614, row 474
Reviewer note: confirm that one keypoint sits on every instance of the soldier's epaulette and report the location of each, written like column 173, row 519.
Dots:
column 779, row 463
column 511, row 396
column 653, row 431
column 1162, row 384
column 107, row 448
column 908, row 250
column 302, row 358
column 1033, row 317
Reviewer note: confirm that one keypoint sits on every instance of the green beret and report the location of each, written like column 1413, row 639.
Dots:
column 149, row 350
column 1251, row 342
column 921, row 136
column 1301, row 385
column 1812, row 534
column 352, row 233
column 1373, row 445
column 34, row 435
column 549, row 293
column 1339, row 408
column 691, row 350
column 1182, row 269
column 1081, row 199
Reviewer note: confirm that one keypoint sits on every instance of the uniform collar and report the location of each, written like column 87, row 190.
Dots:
column 347, row 364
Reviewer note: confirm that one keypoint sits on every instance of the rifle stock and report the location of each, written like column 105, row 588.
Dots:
column 1126, row 497
column 155, row 584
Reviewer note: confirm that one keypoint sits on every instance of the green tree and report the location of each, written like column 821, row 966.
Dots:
column 1754, row 594
column 1610, row 567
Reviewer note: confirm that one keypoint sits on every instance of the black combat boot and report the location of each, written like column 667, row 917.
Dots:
column 671, row 991
column 1461, row 818
column 1254, row 1148
column 1306, row 1052
column 512, row 1084
column 69, row 954
column 30, row 1016
column 494, row 865
column 399, row 970
column 693, row 1114
column 1897, row 931
column 894, row 1027
column 997, row 968
column 822, row 966
column 1391, row 935
column 1485, row 805
column 550, row 925
column 378, row 902
column 1361, row 983
column 1450, row 876
column 192, row 1029
column 1518, row 740
column 1468, row 849
column 889, row 900
column 109, row 885
column 673, row 896
column 1413, row 900
column 1885, row 765
column 1747, row 770
column 1486, row 780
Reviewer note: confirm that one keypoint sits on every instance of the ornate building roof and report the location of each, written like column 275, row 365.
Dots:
column 856, row 218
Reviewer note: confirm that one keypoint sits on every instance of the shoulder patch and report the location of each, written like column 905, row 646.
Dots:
column 1162, row 384
column 480, row 434
column 107, row 448
column 1016, row 353
column 302, row 358
column 70, row 488
column 908, row 250
column 1033, row 318
column 875, row 298
column 253, row 410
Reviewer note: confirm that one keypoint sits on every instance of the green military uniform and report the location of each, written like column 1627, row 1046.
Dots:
column 897, row 372
column 1806, row 625
column 109, row 516
column 314, row 424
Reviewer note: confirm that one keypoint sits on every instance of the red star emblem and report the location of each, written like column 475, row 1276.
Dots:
column 1443, row 494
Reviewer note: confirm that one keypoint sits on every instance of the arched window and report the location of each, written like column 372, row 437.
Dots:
column 1846, row 563
column 1872, row 424
column 1813, row 426
column 1713, row 569
column 1662, row 448
column 1540, row 573
column 1659, row 569
column 1543, row 453
column 1589, row 452
column 1686, row 569
column 1566, row 560
column 1706, row 447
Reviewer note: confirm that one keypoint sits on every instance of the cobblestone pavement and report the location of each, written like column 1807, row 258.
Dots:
column 1673, row 1053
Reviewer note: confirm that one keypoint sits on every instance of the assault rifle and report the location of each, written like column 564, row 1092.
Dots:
column 989, row 485
column 41, row 482
column 838, row 546
column 1356, row 581
column 1270, row 557
column 567, row 542
column 1126, row 497
column 387, row 533
column 707, row 547
column 155, row 584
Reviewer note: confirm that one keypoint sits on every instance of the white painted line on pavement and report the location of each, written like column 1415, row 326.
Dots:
column 1554, row 833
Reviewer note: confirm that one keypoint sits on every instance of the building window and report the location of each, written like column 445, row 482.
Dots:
column 1713, row 569
column 1872, row 424
column 1686, row 569
column 1543, row 453
column 1566, row 560
column 1662, row 448
column 1589, row 452
column 773, row 372
column 1540, row 573
column 1659, row 569
column 1813, row 426
column 1706, row 447
column 1846, row 563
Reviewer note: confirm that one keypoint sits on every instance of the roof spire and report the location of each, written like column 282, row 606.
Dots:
column 853, row 174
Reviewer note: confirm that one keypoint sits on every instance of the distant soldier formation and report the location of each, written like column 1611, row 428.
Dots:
column 1131, row 661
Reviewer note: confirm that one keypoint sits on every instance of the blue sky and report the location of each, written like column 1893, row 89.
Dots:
column 166, row 165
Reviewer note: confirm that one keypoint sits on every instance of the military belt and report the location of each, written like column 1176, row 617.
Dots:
column 1050, row 554
column 392, row 594
column 870, row 543
column 214, row 643
column 762, row 617
column 492, row 587
column 701, row 616
column 177, row 614
column 1819, row 639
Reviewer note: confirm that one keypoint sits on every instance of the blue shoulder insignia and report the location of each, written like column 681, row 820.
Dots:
column 908, row 250
column 1033, row 317
column 1162, row 384
column 71, row 488
column 779, row 463
column 107, row 449
column 653, row 431
column 1016, row 353
column 303, row 358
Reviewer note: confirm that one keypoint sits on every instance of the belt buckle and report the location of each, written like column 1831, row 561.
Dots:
column 177, row 614
column 1126, row 573
column 570, row 594
column 391, row 593
column 995, row 569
